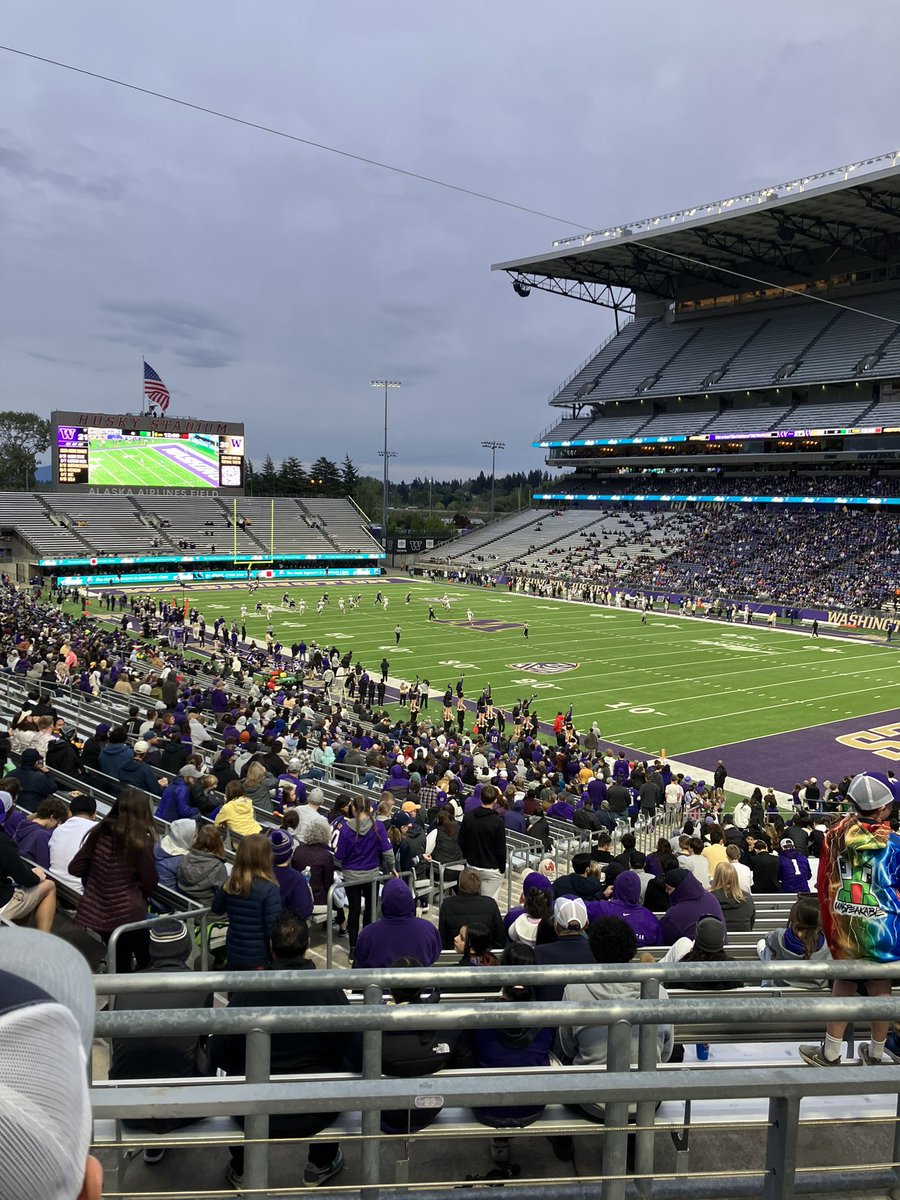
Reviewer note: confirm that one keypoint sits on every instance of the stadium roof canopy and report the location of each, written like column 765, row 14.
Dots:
column 781, row 235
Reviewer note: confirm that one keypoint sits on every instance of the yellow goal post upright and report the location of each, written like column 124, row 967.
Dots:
column 245, row 560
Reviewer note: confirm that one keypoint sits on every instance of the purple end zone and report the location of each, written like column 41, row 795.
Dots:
column 195, row 463
column 781, row 760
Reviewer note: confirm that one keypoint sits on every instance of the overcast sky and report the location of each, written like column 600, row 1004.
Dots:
column 269, row 282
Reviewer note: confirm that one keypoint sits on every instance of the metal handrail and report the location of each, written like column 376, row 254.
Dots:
column 618, row 1086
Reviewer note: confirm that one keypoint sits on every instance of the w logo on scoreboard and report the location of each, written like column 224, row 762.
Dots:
column 66, row 434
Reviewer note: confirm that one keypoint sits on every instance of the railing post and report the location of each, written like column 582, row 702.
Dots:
column 896, row 1152
column 781, row 1148
column 371, row 1117
column 645, row 1138
column 615, row 1137
column 256, row 1125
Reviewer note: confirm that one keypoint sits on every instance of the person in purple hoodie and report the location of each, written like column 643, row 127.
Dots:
column 514, row 816
column 688, row 902
column 397, row 932
column 626, row 904
column 397, row 780
column 596, row 792
column 32, row 836
column 561, row 810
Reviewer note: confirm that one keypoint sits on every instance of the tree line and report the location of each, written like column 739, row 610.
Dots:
column 418, row 505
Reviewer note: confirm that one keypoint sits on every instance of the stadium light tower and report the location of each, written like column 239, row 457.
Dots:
column 385, row 383
column 493, row 447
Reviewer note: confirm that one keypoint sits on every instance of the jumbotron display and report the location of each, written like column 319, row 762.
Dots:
column 143, row 453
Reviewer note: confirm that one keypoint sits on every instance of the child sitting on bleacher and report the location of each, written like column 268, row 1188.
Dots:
column 801, row 939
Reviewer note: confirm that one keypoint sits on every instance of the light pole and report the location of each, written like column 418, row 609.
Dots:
column 493, row 447
column 385, row 383
column 387, row 455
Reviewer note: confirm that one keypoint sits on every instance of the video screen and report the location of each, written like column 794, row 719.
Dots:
column 144, row 459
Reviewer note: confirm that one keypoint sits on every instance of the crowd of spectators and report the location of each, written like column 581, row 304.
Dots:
column 445, row 798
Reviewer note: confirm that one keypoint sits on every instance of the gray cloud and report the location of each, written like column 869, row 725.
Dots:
column 270, row 282
column 203, row 356
column 168, row 318
column 24, row 166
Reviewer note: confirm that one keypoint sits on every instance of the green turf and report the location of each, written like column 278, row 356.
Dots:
column 138, row 462
column 676, row 684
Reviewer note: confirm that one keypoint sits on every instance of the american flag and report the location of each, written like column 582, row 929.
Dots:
column 155, row 391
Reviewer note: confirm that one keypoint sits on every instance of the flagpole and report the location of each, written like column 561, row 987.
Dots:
column 143, row 364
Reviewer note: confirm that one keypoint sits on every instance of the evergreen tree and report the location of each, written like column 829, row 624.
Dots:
column 291, row 477
column 349, row 476
column 325, row 477
column 266, row 480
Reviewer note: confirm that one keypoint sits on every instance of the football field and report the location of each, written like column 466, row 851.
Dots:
column 152, row 462
column 764, row 700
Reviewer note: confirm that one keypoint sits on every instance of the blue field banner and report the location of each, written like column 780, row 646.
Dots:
column 214, row 576
column 134, row 560
column 676, row 498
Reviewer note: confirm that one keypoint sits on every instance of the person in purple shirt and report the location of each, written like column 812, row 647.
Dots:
column 32, row 836
column 474, row 801
column 688, row 903
column 626, row 904
column 561, row 810
column 514, row 817
column 596, row 792
column 621, row 769
column 397, row 780
column 397, row 932
column 295, row 894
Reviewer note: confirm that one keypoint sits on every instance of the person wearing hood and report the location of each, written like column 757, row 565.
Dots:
column 516, row 1047
column 295, row 894
column 136, row 772
column 236, row 814
column 363, row 852
column 172, row 848
column 397, row 780
column 626, row 905
column 612, row 941
column 688, row 902
column 579, row 883
column 794, row 871
column 397, row 931
column 202, row 870
column 116, row 753
column 35, row 782
column 513, row 815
